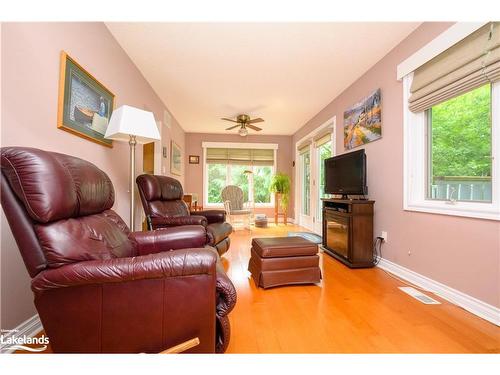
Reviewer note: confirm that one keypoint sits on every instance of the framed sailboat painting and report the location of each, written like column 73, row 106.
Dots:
column 85, row 104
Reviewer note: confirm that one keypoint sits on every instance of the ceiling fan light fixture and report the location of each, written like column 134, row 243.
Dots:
column 243, row 132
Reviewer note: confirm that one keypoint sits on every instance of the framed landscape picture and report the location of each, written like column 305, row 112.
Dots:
column 363, row 122
column 85, row 105
column 175, row 159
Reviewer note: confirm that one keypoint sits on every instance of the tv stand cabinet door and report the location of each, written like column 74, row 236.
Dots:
column 362, row 234
column 338, row 236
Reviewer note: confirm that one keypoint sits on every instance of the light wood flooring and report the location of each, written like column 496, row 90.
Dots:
column 352, row 311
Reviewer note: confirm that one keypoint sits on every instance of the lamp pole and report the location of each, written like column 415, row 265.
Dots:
column 132, row 142
column 135, row 126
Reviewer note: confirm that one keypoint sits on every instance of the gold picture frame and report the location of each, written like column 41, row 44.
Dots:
column 194, row 159
column 85, row 105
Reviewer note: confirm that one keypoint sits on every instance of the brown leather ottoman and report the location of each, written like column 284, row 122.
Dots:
column 284, row 260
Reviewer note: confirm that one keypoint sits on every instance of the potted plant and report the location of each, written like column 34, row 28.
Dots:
column 280, row 184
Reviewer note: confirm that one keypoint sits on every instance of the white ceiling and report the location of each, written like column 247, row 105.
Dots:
column 282, row 72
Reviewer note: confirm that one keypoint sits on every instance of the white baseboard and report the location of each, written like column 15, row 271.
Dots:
column 30, row 328
column 469, row 303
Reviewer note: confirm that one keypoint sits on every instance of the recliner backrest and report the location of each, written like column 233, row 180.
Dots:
column 59, row 209
column 161, row 196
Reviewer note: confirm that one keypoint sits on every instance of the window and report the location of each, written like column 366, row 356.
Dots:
column 239, row 178
column 262, row 180
column 459, row 148
column 305, row 159
column 221, row 175
column 217, row 175
column 451, row 154
column 247, row 165
column 452, row 125
column 324, row 152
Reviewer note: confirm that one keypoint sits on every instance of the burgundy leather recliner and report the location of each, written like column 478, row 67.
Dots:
column 99, row 287
column 161, row 198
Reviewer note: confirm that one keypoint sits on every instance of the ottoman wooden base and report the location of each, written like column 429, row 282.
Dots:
column 284, row 261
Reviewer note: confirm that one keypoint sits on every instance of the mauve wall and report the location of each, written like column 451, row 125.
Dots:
column 460, row 252
column 30, row 78
column 194, row 172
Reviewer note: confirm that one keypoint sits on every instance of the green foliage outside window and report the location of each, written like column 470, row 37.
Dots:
column 261, row 182
column 218, row 178
column 325, row 152
column 461, row 135
column 216, row 182
column 240, row 179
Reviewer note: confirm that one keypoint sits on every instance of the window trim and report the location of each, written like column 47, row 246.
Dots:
column 331, row 122
column 205, row 145
column 415, row 161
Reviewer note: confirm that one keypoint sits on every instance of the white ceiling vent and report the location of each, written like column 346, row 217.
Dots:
column 419, row 296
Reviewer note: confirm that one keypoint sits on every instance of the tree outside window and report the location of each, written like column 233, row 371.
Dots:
column 460, row 147
column 221, row 175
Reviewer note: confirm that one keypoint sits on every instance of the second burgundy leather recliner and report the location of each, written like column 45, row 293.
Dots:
column 98, row 287
column 161, row 198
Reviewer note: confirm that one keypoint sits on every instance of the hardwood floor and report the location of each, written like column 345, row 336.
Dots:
column 352, row 311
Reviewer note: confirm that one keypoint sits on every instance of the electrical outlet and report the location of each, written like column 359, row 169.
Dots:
column 409, row 252
column 384, row 236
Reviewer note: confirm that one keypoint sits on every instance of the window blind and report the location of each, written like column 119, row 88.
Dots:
column 323, row 138
column 469, row 64
column 241, row 156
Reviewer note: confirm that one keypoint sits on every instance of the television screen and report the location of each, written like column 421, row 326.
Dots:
column 346, row 174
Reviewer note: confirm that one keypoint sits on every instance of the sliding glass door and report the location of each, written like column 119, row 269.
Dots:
column 305, row 186
column 311, row 179
column 323, row 151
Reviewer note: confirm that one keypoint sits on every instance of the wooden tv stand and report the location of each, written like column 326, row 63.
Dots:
column 348, row 231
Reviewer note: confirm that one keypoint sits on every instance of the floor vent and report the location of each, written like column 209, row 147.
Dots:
column 419, row 295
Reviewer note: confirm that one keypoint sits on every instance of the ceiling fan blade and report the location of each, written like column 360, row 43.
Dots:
column 255, row 120
column 254, row 127
column 232, row 127
column 228, row 119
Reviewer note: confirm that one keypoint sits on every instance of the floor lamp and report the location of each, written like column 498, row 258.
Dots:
column 132, row 125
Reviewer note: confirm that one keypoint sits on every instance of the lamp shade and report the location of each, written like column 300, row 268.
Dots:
column 126, row 121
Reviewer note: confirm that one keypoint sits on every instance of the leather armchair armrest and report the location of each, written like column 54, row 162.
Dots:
column 171, row 264
column 176, row 221
column 155, row 241
column 213, row 216
column 226, row 292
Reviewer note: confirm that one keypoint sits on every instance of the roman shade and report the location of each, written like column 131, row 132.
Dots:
column 245, row 156
column 469, row 64
column 323, row 137
column 304, row 147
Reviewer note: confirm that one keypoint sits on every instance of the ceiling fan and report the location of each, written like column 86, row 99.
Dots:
column 244, row 122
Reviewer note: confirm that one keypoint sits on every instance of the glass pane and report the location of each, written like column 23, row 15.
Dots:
column 239, row 178
column 460, row 148
column 261, row 182
column 216, row 181
column 324, row 152
column 306, row 185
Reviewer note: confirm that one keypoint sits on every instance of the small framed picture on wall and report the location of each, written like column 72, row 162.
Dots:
column 194, row 159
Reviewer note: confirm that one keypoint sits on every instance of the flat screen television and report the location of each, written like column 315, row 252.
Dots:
column 346, row 174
